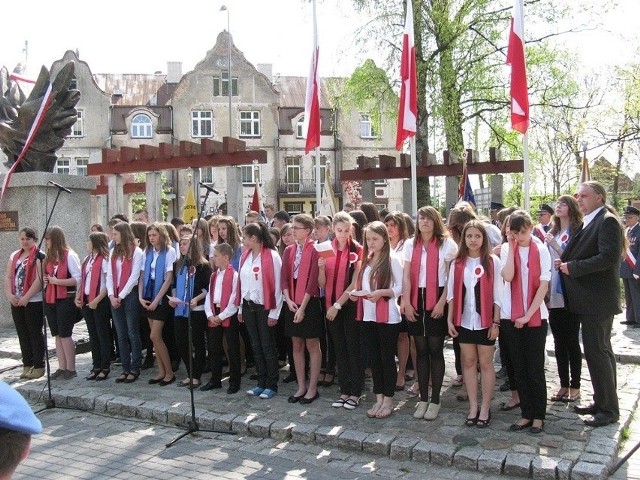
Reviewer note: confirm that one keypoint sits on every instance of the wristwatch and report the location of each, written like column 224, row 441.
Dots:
column 337, row 306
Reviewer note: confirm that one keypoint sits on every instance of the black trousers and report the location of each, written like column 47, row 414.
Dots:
column 29, row 322
column 181, row 335
column 265, row 354
column 99, row 328
column 169, row 337
column 526, row 348
column 382, row 341
column 215, row 336
column 345, row 333
column 632, row 299
column 506, row 344
column 566, row 338
column 326, row 343
column 596, row 340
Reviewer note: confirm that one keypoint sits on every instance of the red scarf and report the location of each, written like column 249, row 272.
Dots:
column 484, row 296
column 517, row 302
column 341, row 271
column 382, row 305
column 268, row 279
column 125, row 273
column 432, row 263
column 57, row 292
column 30, row 274
column 227, row 289
column 94, row 281
column 303, row 270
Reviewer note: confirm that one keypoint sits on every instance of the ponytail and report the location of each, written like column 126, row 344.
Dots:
column 261, row 232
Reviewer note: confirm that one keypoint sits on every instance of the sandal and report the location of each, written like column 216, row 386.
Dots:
column 484, row 423
column 472, row 421
column 560, row 395
column 339, row 403
column 351, row 404
column 94, row 373
column 413, row 390
column 384, row 412
column 103, row 375
column 131, row 380
column 373, row 411
column 568, row 398
column 505, row 407
column 123, row 376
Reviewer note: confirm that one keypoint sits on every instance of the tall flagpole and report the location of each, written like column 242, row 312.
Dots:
column 525, row 157
column 318, row 189
column 414, row 177
column 317, row 154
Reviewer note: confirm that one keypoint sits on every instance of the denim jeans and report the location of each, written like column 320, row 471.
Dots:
column 127, row 322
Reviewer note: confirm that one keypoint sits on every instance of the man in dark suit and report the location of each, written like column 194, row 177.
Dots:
column 591, row 286
column 630, row 268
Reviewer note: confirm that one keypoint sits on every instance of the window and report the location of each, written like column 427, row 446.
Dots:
column 141, row 127
column 63, row 165
column 323, row 168
column 78, row 128
column 299, row 127
column 73, row 85
column 248, row 174
column 81, row 166
column 366, row 127
column 206, row 175
column 380, row 182
column 293, row 208
column 202, row 123
column 250, row 124
column 221, row 85
column 292, row 172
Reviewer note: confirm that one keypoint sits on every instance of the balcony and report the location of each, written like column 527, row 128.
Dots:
column 306, row 186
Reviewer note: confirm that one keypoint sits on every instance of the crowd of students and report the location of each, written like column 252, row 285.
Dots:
column 390, row 289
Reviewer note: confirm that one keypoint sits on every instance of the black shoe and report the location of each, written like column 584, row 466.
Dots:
column 232, row 389
column 516, row 427
column 148, row 362
column 154, row 381
column 588, row 409
column 627, row 322
column 175, row 365
column 164, row 383
column 307, row 401
column 211, row 386
column 290, row 378
column 294, row 399
column 600, row 419
column 539, row 429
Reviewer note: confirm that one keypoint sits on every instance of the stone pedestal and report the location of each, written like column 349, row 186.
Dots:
column 236, row 206
column 31, row 197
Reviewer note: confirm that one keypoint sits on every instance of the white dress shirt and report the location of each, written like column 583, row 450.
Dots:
column 231, row 308
column 369, row 308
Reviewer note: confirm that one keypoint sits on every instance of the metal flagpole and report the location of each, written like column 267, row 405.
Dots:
column 318, row 189
column 525, row 157
column 414, row 177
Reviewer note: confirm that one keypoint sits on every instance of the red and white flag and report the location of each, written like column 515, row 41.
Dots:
column 311, row 124
column 515, row 58
column 256, row 202
column 408, row 106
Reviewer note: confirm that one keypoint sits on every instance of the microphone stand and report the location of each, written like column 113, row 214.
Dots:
column 192, row 425
column 50, row 402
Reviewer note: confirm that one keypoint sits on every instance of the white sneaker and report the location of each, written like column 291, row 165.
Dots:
column 421, row 409
column 432, row 411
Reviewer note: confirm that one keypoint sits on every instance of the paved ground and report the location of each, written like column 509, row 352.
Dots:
column 78, row 445
column 567, row 448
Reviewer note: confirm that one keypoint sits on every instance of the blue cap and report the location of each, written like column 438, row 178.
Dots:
column 15, row 412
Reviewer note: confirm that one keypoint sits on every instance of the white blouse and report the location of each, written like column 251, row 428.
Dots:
column 447, row 253
column 251, row 282
column 369, row 308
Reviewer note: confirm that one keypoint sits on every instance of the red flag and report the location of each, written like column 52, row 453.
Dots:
column 465, row 193
column 256, row 202
column 515, row 58
column 408, row 106
column 311, row 125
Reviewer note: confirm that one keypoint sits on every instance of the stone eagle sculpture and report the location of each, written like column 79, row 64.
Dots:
column 18, row 112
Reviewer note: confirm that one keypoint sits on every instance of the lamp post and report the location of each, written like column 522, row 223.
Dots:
column 224, row 8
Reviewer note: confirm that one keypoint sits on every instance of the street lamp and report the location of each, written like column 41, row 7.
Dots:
column 224, row 8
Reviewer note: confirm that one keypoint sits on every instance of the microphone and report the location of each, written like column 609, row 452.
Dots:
column 211, row 189
column 59, row 186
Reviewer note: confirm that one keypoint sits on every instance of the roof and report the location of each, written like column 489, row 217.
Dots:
column 135, row 88
column 293, row 91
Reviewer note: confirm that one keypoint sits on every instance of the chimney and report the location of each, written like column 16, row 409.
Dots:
column 174, row 72
column 266, row 69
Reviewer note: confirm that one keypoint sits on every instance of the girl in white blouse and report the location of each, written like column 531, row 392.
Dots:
column 378, row 287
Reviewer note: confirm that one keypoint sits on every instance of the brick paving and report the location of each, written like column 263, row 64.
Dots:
column 567, row 448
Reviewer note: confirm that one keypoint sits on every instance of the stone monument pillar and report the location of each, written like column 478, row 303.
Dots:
column 27, row 203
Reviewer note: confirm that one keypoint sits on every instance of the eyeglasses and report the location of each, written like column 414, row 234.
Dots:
column 299, row 228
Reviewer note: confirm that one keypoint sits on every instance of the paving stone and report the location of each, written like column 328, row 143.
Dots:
column 281, row 430
column 378, row 444
column 351, row 440
column 402, row 448
column 422, row 451
column 563, row 469
column 206, row 419
column 492, row 461
column 595, row 458
column 328, row 435
column 129, row 406
column 100, row 403
column 114, row 406
column 518, row 464
column 442, row 454
column 545, row 467
column 159, row 413
column 241, row 423
column 467, row 458
column 260, row 427
column 224, row 422
column 304, row 433
column 588, row 471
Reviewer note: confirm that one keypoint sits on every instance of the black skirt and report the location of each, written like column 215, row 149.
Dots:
column 476, row 337
column 163, row 312
column 311, row 324
column 425, row 326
